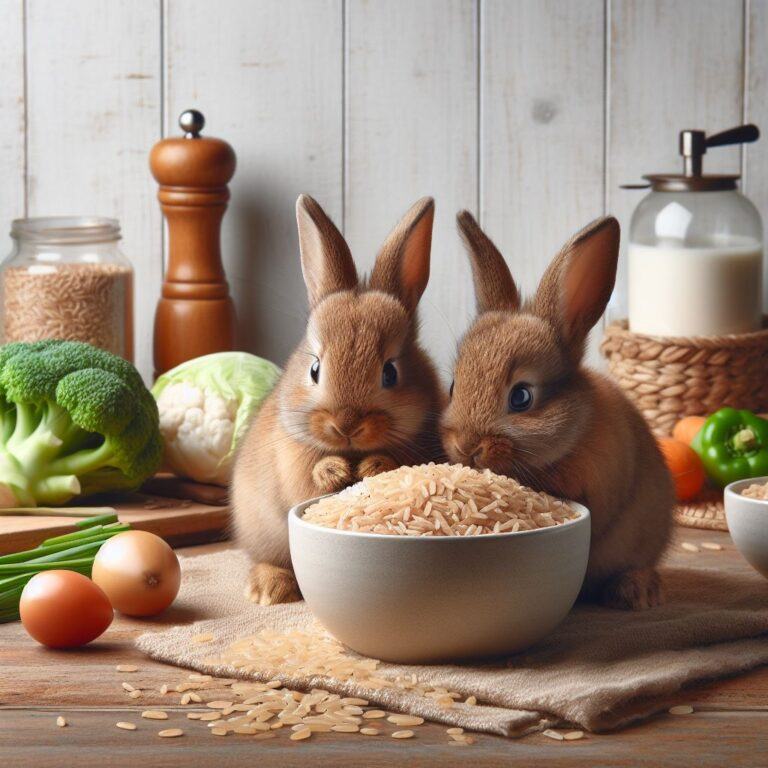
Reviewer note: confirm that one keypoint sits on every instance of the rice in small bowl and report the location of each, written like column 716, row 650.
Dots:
column 439, row 562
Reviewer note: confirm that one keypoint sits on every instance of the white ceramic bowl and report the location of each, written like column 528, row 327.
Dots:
column 427, row 599
column 748, row 523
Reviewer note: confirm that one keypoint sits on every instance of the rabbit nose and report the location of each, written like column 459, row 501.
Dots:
column 467, row 449
column 344, row 423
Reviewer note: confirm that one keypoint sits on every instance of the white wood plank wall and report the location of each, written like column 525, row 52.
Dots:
column 528, row 112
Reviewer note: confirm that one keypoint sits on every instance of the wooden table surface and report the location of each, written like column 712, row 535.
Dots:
column 728, row 728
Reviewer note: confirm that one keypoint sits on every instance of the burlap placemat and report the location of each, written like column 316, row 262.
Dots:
column 601, row 669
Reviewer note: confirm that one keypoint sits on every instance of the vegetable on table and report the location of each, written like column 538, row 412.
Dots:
column 685, row 467
column 64, row 609
column 733, row 445
column 74, row 421
column 73, row 551
column 687, row 428
column 206, row 405
column 139, row 573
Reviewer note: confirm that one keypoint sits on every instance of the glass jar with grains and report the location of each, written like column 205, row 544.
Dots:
column 67, row 279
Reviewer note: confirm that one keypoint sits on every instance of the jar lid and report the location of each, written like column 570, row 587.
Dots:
column 677, row 182
column 693, row 147
column 66, row 230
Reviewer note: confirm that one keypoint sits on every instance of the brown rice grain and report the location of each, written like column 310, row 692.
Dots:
column 402, row 735
column 125, row 726
column 370, row 731
column 61, row 722
column 405, row 720
column 401, row 502
column 78, row 302
column 170, row 733
column 154, row 714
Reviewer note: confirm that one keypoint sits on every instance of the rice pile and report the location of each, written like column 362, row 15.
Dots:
column 756, row 491
column 439, row 500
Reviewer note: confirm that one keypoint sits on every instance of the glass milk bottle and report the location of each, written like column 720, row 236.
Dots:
column 696, row 249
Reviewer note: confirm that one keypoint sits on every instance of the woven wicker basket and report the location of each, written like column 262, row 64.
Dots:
column 668, row 378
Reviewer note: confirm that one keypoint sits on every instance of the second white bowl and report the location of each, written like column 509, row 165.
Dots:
column 427, row 599
column 748, row 523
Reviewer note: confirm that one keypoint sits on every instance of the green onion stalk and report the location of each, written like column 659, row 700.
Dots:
column 71, row 552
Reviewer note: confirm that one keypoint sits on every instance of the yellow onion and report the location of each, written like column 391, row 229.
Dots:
column 139, row 573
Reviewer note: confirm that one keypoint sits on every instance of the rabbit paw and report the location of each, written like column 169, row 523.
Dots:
column 375, row 464
column 633, row 590
column 270, row 585
column 331, row 474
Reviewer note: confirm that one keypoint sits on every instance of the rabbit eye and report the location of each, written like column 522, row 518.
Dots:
column 520, row 398
column 450, row 390
column 389, row 375
column 314, row 371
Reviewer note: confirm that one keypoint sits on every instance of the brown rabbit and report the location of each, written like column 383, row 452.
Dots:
column 523, row 405
column 358, row 395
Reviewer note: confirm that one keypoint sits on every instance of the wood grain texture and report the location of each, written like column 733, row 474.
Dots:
column 411, row 130
column 704, row 740
column 93, row 114
column 541, row 163
column 730, row 726
column 755, row 183
column 542, row 127
column 270, row 85
column 12, row 114
column 673, row 64
column 179, row 522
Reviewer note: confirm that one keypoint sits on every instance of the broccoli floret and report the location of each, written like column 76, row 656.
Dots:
column 74, row 420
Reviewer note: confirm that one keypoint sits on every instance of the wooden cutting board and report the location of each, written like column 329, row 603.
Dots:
column 180, row 521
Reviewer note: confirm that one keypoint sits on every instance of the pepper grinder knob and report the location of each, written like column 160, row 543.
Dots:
column 191, row 122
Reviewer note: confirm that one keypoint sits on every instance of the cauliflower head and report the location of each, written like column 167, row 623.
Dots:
column 205, row 407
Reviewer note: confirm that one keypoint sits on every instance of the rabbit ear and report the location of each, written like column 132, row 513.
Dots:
column 574, row 291
column 325, row 258
column 402, row 266
column 494, row 287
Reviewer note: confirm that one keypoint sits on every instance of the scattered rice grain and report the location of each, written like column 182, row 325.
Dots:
column 402, row 735
column 154, row 714
column 681, row 709
column 405, row 720
column 170, row 733
column 125, row 726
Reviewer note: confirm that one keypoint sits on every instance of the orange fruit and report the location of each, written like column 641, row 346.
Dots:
column 685, row 467
column 687, row 428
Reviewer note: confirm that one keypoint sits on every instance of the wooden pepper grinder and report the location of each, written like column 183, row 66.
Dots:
column 195, row 315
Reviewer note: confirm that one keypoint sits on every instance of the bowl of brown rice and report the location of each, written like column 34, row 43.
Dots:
column 746, row 510
column 439, row 562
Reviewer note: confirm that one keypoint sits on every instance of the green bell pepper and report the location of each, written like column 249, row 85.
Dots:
column 733, row 445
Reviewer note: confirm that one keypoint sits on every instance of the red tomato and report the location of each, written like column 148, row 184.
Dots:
column 64, row 609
